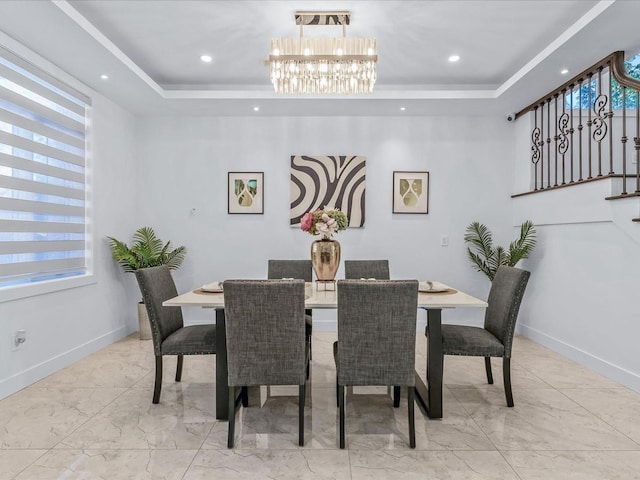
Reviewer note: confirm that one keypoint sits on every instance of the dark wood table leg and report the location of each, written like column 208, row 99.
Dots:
column 222, row 387
column 429, row 396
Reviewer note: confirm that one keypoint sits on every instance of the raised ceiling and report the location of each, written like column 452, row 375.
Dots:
column 511, row 51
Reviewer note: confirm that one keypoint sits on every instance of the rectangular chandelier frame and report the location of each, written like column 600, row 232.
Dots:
column 337, row 65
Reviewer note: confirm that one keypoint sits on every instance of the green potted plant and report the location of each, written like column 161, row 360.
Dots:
column 147, row 250
column 487, row 258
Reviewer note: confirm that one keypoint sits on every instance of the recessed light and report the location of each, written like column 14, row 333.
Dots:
column 256, row 109
column 454, row 58
column 104, row 77
column 206, row 58
column 402, row 109
column 564, row 71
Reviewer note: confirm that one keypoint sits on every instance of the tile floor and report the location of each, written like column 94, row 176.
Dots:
column 95, row 420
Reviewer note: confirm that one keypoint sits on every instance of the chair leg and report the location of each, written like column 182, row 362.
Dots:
column 412, row 420
column 337, row 393
column 396, row 396
column 158, row 385
column 506, row 372
column 341, row 403
column 179, row 368
column 301, row 400
column 232, row 417
column 245, row 396
column 487, row 366
column 309, row 340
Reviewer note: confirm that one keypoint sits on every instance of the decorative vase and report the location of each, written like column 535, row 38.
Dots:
column 325, row 258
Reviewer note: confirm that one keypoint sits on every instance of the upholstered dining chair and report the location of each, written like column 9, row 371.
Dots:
column 266, row 342
column 170, row 336
column 495, row 339
column 357, row 269
column 376, row 339
column 301, row 269
column 379, row 270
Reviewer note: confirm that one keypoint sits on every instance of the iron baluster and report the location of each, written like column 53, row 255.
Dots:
column 563, row 144
column 571, row 131
column 610, row 116
column 548, row 142
column 624, row 141
column 637, row 141
column 555, row 140
column 599, row 116
column 535, row 147
column 589, row 123
column 580, row 127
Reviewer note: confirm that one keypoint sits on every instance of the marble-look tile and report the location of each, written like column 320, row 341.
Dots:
column 13, row 462
column 102, row 370
column 619, row 407
column 575, row 465
column 41, row 417
column 130, row 343
column 275, row 425
column 195, row 369
column 464, row 372
column 110, row 464
column 270, row 464
column 560, row 372
column 454, row 465
column 180, row 421
column 542, row 419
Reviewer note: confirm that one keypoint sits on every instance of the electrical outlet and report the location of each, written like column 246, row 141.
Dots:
column 444, row 241
column 18, row 339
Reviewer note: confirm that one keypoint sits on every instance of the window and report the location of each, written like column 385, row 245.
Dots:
column 42, row 175
column 581, row 98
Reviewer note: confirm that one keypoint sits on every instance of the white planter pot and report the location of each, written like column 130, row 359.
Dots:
column 143, row 322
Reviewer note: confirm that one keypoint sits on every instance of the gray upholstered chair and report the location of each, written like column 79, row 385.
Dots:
column 496, row 338
column 378, row 269
column 356, row 269
column 266, row 342
column 170, row 336
column 302, row 269
column 376, row 339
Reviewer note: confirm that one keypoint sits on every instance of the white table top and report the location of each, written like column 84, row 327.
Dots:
column 329, row 299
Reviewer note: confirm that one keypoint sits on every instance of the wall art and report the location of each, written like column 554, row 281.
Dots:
column 335, row 181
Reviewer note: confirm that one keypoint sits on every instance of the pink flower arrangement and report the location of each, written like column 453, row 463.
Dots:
column 324, row 222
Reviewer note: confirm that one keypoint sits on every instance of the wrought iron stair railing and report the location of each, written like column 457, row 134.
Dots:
column 581, row 130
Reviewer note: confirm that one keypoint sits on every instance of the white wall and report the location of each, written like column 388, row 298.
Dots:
column 582, row 298
column 183, row 165
column 67, row 325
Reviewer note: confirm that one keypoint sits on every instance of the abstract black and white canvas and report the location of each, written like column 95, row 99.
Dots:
column 329, row 180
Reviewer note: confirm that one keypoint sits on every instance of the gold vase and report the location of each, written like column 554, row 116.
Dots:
column 325, row 258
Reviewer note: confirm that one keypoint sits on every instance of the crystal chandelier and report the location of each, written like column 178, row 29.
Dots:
column 323, row 65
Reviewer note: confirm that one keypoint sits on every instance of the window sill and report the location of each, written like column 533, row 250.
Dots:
column 8, row 294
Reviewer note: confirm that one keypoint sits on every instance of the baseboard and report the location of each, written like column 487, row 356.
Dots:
column 614, row 372
column 37, row 372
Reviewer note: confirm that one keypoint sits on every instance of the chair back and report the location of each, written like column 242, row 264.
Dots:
column 265, row 330
column 357, row 269
column 377, row 332
column 505, row 296
column 279, row 269
column 156, row 286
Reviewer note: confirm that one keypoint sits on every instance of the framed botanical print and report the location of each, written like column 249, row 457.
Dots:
column 410, row 192
column 246, row 192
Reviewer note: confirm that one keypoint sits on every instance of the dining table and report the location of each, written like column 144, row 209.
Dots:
column 428, row 396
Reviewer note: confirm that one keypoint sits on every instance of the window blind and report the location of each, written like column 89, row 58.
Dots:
column 43, row 207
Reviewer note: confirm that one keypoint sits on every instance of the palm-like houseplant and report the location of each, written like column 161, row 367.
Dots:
column 487, row 258
column 147, row 250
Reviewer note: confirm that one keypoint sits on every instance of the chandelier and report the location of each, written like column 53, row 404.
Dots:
column 307, row 65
